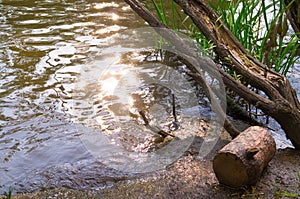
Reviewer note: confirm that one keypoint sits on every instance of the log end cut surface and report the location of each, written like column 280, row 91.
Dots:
column 230, row 170
column 241, row 162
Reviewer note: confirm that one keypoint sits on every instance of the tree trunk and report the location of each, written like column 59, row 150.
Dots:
column 242, row 161
column 281, row 102
column 293, row 14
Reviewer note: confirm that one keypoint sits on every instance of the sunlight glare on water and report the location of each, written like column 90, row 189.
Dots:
column 44, row 46
column 53, row 55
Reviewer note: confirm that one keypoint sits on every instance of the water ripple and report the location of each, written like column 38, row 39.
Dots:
column 44, row 45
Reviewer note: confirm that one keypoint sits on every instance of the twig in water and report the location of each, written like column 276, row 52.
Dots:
column 175, row 124
column 154, row 128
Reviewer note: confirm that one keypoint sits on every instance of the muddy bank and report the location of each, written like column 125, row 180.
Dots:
column 190, row 177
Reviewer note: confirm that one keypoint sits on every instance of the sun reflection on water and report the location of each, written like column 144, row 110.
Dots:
column 114, row 16
column 109, row 85
column 105, row 5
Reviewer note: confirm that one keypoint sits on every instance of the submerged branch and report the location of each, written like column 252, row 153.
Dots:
column 189, row 58
column 282, row 103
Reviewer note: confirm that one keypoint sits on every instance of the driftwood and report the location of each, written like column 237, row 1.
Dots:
column 242, row 161
column 281, row 101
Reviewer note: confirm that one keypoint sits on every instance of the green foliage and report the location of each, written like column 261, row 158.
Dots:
column 299, row 179
column 8, row 195
column 284, row 194
column 201, row 40
column 262, row 30
column 161, row 12
column 181, row 23
column 240, row 17
column 285, row 56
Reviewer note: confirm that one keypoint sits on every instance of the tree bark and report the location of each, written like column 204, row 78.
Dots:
column 281, row 102
column 293, row 14
column 188, row 57
column 242, row 161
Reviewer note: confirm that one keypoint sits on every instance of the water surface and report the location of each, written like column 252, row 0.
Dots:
column 51, row 53
column 44, row 45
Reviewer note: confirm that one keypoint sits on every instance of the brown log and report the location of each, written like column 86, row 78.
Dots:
column 242, row 161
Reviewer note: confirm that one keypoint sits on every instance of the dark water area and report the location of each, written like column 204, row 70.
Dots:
column 52, row 55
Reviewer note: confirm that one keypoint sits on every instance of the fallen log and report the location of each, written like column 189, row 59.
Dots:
column 242, row 161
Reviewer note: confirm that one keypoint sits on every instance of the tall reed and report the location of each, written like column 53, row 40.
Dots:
column 263, row 30
column 260, row 26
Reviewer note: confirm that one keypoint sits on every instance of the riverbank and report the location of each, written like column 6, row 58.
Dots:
column 190, row 177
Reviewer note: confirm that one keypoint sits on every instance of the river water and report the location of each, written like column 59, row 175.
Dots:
column 43, row 47
column 47, row 49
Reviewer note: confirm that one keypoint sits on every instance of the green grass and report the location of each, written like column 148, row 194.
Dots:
column 260, row 27
column 160, row 10
column 240, row 17
column 262, row 30
column 174, row 18
column 298, row 179
column 284, row 194
column 8, row 195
